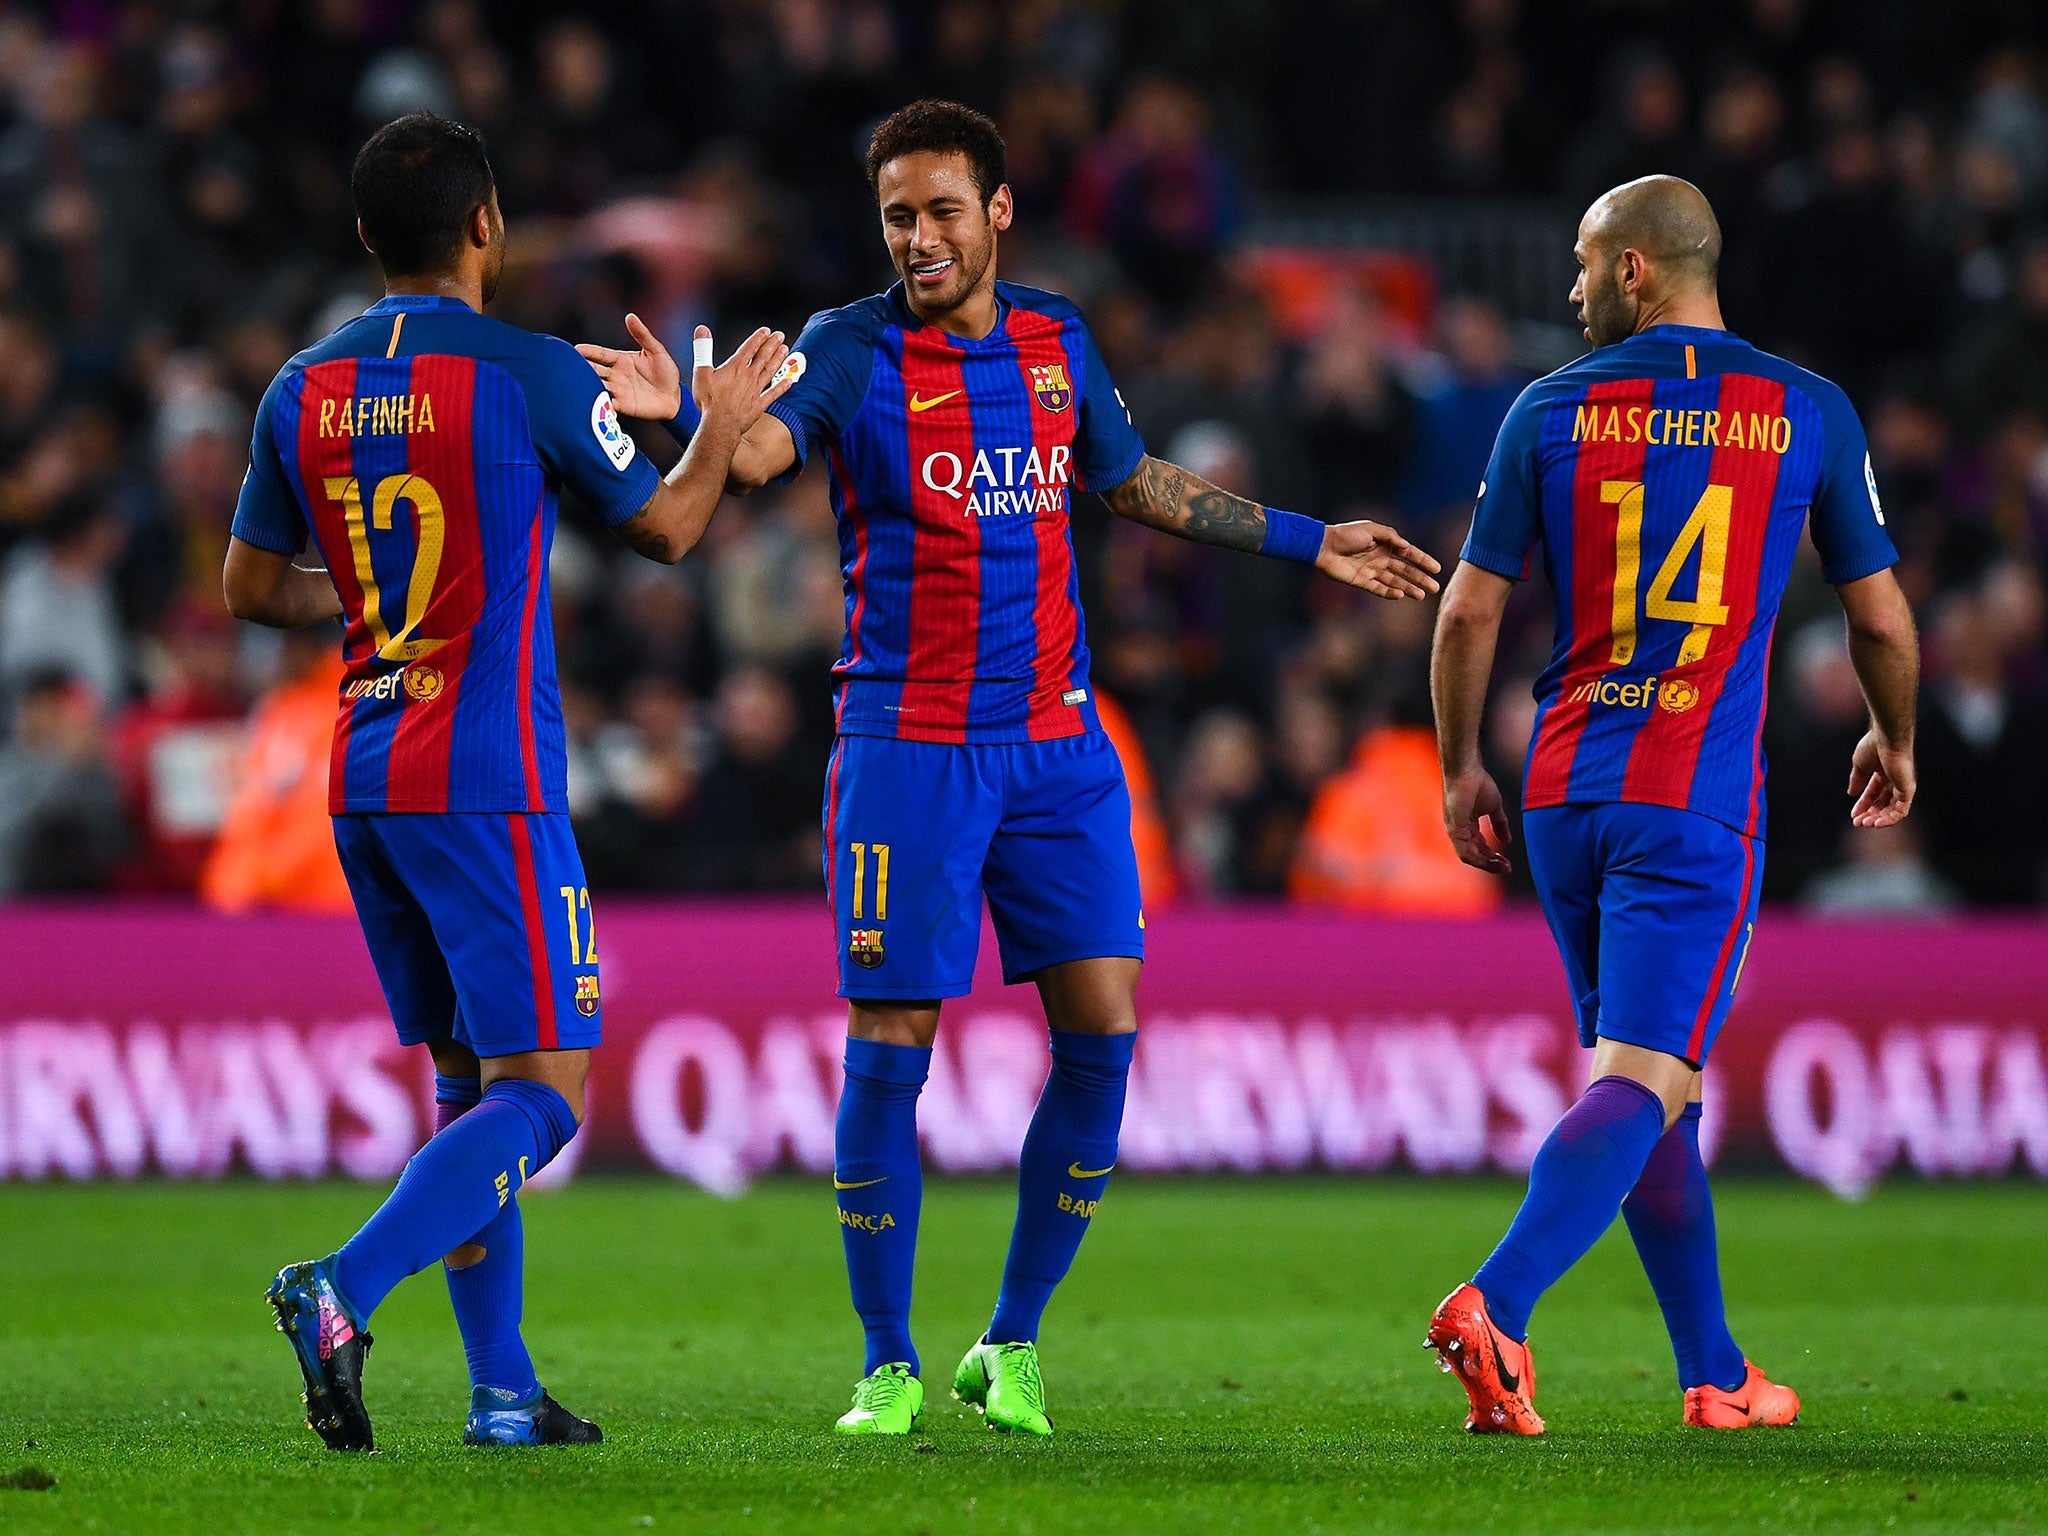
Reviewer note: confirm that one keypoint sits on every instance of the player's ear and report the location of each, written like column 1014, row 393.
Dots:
column 363, row 235
column 1001, row 207
column 480, row 226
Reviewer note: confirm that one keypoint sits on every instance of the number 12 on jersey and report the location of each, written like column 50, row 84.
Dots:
column 1706, row 529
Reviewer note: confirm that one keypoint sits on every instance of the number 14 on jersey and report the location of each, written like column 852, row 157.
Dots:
column 1707, row 530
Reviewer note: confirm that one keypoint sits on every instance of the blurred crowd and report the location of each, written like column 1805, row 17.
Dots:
column 174, row 223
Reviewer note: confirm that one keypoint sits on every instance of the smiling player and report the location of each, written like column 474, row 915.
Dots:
column 1667, row 477
column 958, row 415
column 423, row 448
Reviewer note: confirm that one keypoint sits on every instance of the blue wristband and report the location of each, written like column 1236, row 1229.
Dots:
column 683, row 425
column 1290, row 536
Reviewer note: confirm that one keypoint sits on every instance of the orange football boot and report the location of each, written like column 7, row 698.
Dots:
column 1759, row 1400
column 1498, row 1375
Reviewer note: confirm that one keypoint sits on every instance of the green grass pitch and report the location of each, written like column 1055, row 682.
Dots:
column 1228, row 1356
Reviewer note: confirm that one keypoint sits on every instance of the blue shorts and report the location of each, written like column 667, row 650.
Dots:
column 479, row 925
column 917, row 833
column 1653, row 910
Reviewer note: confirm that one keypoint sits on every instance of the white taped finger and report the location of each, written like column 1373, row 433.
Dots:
column 700, row 352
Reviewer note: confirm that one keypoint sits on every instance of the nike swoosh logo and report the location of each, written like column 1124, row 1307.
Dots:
column 919, row 403
column 1076, row 1171
column 1508, row 1378
column 839, row 1183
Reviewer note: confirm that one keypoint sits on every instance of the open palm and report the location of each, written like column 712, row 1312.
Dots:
column 646, row 384
column 1375, row 559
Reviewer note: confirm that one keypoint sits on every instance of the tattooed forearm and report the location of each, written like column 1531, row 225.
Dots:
column 1217, row 517
column 1167, row 497
column 643, row 538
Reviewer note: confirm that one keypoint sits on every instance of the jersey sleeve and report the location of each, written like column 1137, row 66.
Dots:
column 838, row 355
column 1107, row 446
column 579, row 436
column 1507, row 520
column 1847, row 519
column 268, row 514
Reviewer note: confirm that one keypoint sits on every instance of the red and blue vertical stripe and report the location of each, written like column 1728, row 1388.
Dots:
column 474, row 722
column 963, row 625
column 1706, row 753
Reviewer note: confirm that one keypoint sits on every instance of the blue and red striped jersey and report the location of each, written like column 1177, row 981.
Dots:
column 1667, row 479
column 423, row 448
column 953, row 465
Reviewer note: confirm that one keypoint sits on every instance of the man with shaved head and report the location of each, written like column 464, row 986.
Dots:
column 1664, row 478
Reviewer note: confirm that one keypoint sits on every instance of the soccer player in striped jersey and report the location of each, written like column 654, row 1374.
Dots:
column 957, row 416
column 422, row 448
column 1665, row 478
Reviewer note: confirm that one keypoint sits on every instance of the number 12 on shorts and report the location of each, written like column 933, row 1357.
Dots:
column 580, row 951
column 860, row 852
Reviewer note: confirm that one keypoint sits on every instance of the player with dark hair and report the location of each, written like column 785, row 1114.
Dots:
column 958, row 415
column 1666, row 477
column 423, row 448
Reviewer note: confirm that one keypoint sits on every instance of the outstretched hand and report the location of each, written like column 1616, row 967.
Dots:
column 1375, row 559
column 646, row 384
column 1882, row 779
column 740, row 389
column 1472, row 809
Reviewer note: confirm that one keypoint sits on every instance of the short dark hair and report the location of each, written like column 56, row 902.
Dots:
column 941, row 128
column 415, row 185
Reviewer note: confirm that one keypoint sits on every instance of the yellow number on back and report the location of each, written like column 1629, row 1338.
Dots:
column 426, row 565
column 1706, row 528
column 1627, row 497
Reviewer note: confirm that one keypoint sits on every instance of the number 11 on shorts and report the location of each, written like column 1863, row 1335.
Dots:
column 860, row 880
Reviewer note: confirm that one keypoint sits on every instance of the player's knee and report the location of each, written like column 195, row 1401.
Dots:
column 1095, row 1061
column 914, row 1024
column 554, row 1120
column 464, row 1257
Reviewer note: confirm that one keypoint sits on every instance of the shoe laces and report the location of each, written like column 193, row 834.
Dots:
column 1020, row 1364
column 886, row 1387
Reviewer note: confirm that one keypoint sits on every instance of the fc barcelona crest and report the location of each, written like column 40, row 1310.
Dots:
column 864, row 947
column 586, row 996
column 1049, row 384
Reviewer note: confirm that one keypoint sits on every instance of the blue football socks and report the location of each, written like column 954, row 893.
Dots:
column 1584, row 1169
column 880, row 1184
column 453, row 1187
column 1068, row 1153
column 454, row 1097
column 489, row 1295
column 1670, row 1214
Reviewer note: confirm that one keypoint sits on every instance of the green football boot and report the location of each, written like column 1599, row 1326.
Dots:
column 1002, row 1381
column 890, row 1401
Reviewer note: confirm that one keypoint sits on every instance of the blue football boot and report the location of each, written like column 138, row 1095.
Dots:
column 330, row 1350
column 496, row 1419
